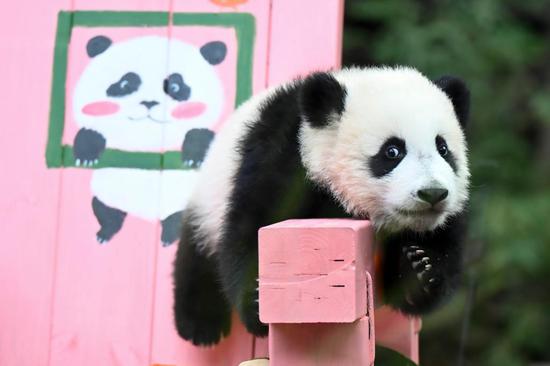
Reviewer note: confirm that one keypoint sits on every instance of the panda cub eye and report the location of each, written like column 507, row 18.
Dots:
column 388, row 157
column 441, row 145
column 392, row 152
column 176, row 88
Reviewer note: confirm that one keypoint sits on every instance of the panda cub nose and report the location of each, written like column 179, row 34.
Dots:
column 432, row 195
column 149, row 103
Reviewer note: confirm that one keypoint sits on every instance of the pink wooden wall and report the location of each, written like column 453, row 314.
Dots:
column 65, row 299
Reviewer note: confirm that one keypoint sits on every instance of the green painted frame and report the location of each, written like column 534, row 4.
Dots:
column 60, row 155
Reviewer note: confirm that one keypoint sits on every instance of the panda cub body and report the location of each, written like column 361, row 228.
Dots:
column 385, row 144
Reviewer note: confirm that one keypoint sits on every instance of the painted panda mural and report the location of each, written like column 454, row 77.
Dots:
column 147, row 93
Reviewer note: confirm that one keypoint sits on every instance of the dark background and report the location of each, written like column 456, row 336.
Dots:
column 501, row 48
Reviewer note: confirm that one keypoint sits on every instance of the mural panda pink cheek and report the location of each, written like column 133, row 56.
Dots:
column 98, row 109
column 188, row 110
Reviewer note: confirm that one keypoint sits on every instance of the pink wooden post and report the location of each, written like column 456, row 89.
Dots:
column 316, row 293
column 314, row 284
column 398, row 332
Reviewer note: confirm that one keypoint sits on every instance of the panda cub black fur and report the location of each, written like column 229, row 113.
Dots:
column 380, row 143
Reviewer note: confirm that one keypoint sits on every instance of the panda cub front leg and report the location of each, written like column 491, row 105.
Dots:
column 422, row 270
column 195, row 145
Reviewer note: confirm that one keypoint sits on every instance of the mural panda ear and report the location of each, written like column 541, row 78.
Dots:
column 214, row 52
column 320, row 98
column 98, row 45
column 458, row 93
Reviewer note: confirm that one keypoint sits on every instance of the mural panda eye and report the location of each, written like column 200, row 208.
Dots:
column 127, row 84
column 441, row 145
column 176, row 88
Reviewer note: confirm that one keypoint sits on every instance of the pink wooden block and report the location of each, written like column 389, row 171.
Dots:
column 398, row 332
column 325, row 344
column 321, row 344
column 314, row 271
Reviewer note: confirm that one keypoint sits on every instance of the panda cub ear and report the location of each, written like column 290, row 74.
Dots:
column 321, row 97
column 98, row 45
column 458, row 93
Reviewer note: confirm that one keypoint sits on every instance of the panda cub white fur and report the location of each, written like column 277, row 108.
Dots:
column 380, row 143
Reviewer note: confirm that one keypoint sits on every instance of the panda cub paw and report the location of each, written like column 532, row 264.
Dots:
column 421, row 264
column 249, row 311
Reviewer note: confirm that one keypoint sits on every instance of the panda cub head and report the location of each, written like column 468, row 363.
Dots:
column 388, row 143
column 151, row 88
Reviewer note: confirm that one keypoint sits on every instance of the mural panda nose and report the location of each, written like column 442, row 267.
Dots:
column 149, row 103
column 433, row 195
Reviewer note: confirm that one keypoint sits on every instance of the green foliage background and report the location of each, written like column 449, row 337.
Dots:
column 501, row 48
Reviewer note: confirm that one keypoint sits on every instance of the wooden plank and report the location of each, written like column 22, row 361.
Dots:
column 103, row 301
column 314, row 285
column 305, row 36
column 167, row 347
column 321, row 344
column 314, row 271
column 30, row 192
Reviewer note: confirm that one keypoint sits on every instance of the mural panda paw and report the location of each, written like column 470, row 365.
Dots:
column 88, row 146
column 195, row 146
column 101, row 240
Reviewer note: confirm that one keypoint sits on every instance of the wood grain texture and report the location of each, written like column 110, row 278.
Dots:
column 104, row 294
column 30, row 193
column 314, row 271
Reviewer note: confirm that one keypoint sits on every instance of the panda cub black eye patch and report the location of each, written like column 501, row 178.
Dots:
column 127, row 84
column 176, row 88
column 388, row 157
column 444, row 152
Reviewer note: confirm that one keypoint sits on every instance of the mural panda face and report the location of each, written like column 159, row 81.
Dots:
column 147, row 92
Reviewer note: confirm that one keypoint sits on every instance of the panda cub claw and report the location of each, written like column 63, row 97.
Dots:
column 249, row 312
column 422, row 266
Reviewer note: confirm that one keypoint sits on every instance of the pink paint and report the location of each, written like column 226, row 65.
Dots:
column 322, row 344
column 102, row 108
column 310, row 321
column 316, row 292
column 188, row 110
column 314, row 271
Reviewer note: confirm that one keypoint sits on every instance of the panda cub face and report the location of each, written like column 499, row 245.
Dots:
column 151, row 88
column 391, row 147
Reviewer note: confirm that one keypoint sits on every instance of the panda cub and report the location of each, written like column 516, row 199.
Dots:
column 385, row 144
